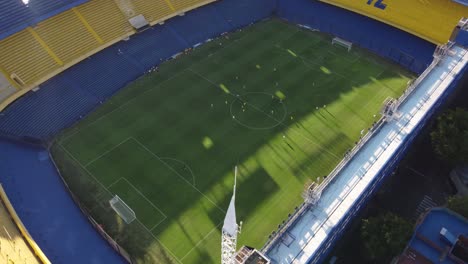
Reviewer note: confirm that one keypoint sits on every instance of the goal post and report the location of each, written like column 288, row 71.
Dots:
column 344, row 43
column 122, row 209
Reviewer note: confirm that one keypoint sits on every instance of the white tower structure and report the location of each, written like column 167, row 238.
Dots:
column 230, row 230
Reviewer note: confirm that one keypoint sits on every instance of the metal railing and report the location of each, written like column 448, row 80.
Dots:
column 439, row 54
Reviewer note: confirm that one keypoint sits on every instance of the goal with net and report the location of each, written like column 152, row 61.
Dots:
column 338, row 41
column 122, row 209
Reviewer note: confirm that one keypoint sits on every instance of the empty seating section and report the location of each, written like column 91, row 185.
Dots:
column 408, row 50
column 22, row 55
column 47, row 210
column 37, row 53
column 188, row 4
column 188, row 26
column 72, row 94
column 67, row 36
column 241, row 12
column 462, row 2
column 13, row 16
column 103, row 74
column 152, row 47
column 153, row 10
column 16, row 15
column 58, row 104
column 106, row 19
column 432, row 20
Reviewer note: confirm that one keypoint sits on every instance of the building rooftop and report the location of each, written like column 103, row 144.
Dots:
column 440, row 237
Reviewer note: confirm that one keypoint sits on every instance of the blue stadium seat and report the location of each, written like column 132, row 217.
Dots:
column 47, row 210
column 39, row 114
column 15, row 15
column 462, row 2
column 152, row 47
column 104, row 73
column 410, row 51
column 243, row 12
column 205, row 18
column 71, row 95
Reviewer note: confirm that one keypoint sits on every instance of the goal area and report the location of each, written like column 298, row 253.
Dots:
column 122, row 209
column 341, row 42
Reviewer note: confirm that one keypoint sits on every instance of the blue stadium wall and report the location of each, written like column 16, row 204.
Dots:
column 70, row 96
column 409, row 51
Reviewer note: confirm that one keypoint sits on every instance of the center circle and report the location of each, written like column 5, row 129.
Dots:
column 258, row 110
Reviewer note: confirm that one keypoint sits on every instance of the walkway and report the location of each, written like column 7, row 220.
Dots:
column 315, row 231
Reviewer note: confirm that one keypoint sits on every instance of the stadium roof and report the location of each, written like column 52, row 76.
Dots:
column 314, row 232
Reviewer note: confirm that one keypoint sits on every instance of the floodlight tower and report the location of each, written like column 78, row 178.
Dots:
column 230, row 230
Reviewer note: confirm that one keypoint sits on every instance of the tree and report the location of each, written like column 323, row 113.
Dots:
column 459, row 205
column 385, row 236
column 450, row 137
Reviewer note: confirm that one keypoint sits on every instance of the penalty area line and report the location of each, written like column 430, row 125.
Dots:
column 177, row 173
column 199, row 242
column 107, row 152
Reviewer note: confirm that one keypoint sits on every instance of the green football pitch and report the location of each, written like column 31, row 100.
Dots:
column 281, row 102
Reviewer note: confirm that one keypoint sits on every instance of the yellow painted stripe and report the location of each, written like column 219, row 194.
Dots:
column 5, row 73
column 224, row 88
column 168, row 2
column 22, row 228
column 87, row 25
column 44, row 45
column 292, row 53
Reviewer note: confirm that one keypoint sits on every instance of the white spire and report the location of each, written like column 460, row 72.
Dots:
column 230, row 223
column 230, row 229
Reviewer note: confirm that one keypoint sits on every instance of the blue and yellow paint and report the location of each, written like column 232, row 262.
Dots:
column 432, row 20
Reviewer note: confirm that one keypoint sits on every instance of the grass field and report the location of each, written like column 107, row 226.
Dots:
column 279, row 101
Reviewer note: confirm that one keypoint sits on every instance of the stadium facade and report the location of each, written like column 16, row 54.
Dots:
column 54, row 55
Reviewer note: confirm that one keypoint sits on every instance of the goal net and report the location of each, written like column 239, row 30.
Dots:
column 338, row 41
column 122, row 209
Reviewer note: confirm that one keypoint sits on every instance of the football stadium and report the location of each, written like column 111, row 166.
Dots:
column 229, row 131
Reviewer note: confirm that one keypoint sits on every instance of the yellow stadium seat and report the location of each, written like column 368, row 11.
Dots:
column 432, row 20
column 67, row 36
column 106, row 19
column 23, row 56
column 188, row 4
column 153, row 10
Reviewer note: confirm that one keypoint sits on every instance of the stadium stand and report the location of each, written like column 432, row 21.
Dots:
column 42, row 114
column 54, row 221
column 42, row 202
column 154, row 11
column 185, row 5
column 47, row 209
column 16, row 245
column 68, row 94
column 63, row 40
column 409, row 51
column 188, row 26
column 243, row 12
column 462, row 2
column 67, row 36
column 431, row 20
column 21, row 55
column 151, row 47
column 106, row 19
column 16, row 15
